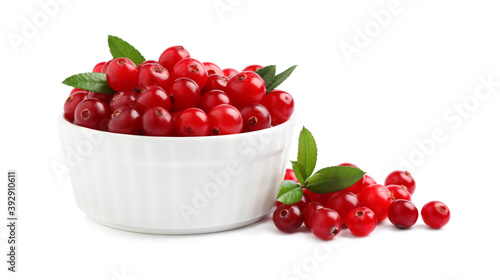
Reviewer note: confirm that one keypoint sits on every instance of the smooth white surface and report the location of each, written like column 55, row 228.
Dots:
column 398, row 90
column 175, row 185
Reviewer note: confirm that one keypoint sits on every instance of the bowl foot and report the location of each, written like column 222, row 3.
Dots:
column 177, row 231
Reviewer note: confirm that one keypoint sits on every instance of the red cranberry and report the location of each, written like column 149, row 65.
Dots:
column 435, row 214
column 122, row 74
column 154, row 75
column 287, row 218
column 253, row 67
column 280, row 105
column 184, row 93
column 399, row 177
column 245, row 88
column 215, row 82
column 343, row 202
column 377, row 198
column 361, row 221
column 213, row 98
column 192, row 122
column 403, row 213
column 157, row 121
column 212, row 69
column 171, row 56
column 153, row 96
column 326, row 224
column 192, row 69
column 125, row 120
column 225, row 119
column 92, row 113
column 71, row 103
column 123, row 99
column 309, row 211
column 255, row 117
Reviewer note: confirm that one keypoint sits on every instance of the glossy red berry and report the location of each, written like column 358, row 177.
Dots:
column 361, row 221
column 92, row 113
column 255, row 117
column 399, row 192
column 122, row 74
column 105, row 66
column 368, row 180
column 321, row 198
column 215, row 82
column 343, row 202
column 287, row 218
column 245, row 88
column 153, row 75
column 225, row 119
column 98, row 67
column 152, row 96
column 192, row 122
column 184, row 93
column 171, row 56
column 309, row 211
column 325, row 224
column 280, row 105
column 123, row 99
column 148, row 62
column 435, row 214
column 106, row 98
column 401, row 178
column 377, row 198
column 252, row 67
column 213, row 98
column 212, row 69
column 75, row 90
column 70, row 105
column 402, row 213
column 290, row 175
column 228, row 72
column 157, row 121
column 125, row 120
column 192, row 69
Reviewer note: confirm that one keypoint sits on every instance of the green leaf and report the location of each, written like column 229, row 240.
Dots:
column 333, row 178
column 280, row 78
column 267, row 74
column 290, row 192
column 300, row 171
column 308, row 152
column 120, row 48
column 95, row 82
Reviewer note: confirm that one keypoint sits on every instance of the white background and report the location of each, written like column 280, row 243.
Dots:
column 408, row 79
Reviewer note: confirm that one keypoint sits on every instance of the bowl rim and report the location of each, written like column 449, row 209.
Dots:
column 274, row 129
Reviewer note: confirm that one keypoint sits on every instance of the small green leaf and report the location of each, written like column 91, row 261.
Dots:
column 280, row 78
column 267, row 74
column 333, row 178
column 95, row 82
column 290, row 192
column 300, row 171
column 308, row 152
column 120, row 48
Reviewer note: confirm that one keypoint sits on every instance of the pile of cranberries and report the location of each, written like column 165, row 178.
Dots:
column 359, row 208
column 178, row 96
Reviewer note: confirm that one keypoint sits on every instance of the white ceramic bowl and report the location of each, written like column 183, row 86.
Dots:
column 175, row 185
